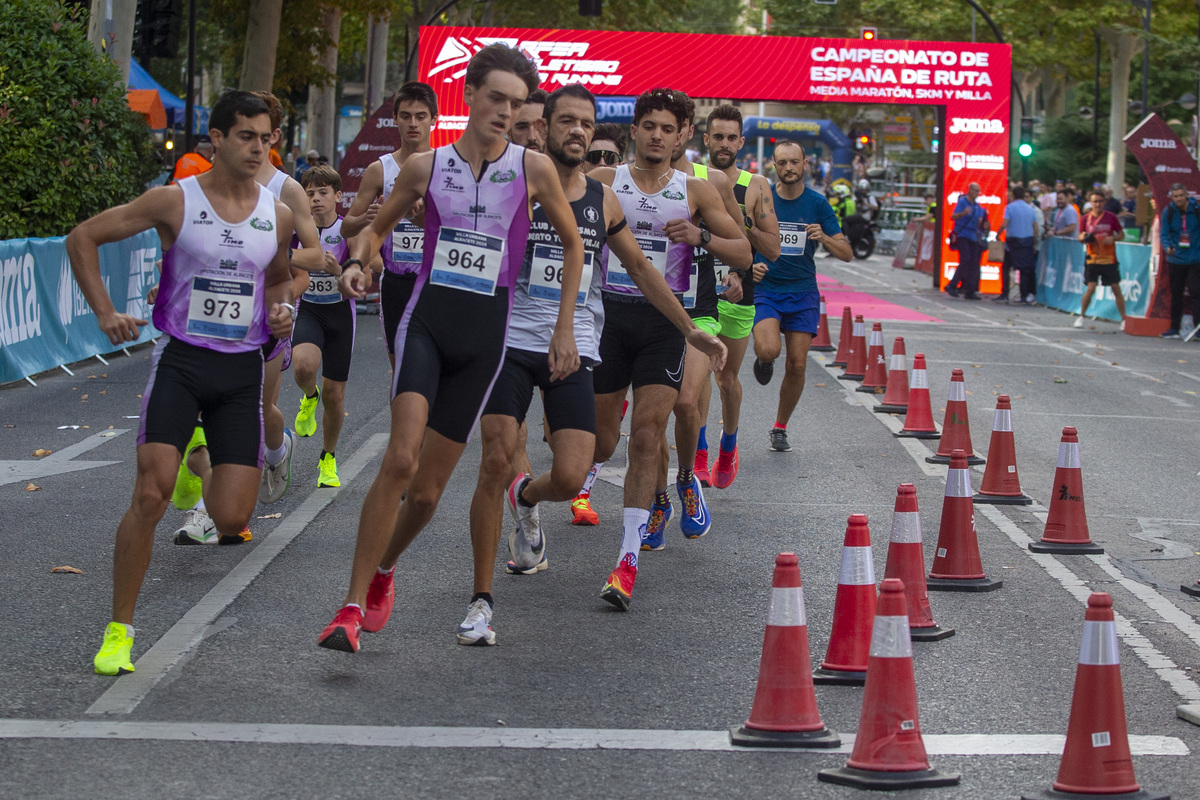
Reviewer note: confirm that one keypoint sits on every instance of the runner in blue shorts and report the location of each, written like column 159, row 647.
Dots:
column 786, row 300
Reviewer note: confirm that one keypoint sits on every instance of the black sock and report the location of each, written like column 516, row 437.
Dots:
column 323, row 454
column 483, row 596
column 314, row 394
column 521, row 497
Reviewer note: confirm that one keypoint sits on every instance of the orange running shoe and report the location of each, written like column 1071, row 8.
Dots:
column 581, row 510
column 618, row 589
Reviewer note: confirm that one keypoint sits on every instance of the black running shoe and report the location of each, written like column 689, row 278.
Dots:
column 763, row 370
column 779, row 442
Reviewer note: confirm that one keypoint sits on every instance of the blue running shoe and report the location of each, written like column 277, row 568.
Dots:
column 654, row 538
column 694, row 521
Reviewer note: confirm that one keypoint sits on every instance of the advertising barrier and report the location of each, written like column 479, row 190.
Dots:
column 45, row 320
column 1060, row 279
column 925, row 245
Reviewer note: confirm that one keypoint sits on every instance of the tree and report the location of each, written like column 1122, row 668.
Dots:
column 69, row 144
column 262, row 41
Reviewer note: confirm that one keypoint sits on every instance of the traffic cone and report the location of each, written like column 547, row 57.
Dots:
column 856, row 368
column 957, row 566
column 895, row 399
column 842, row 357
column 906, row 561
column 956, row 429
column 845, row 661
column 1066, row 531
column 1193, row 590
column 889, row 752
column 876, row 377
column 822, row 344
column 784, row 713
column 1096, row 761
column 1001, row 484
column 918, row 421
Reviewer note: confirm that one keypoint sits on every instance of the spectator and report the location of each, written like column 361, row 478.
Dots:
column 1100, row 231
column 1180, row 222
column 931, row 208
column 1066, row 216
column 1111, row 203
column 1050, row 198
column 969, row 218
column 309, row 160
column 194, row 163
column 1020, row 221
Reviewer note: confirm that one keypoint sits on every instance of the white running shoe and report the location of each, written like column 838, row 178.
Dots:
column 526, row 542
column 198, row 528
column 1078, row 323
column 276, row 478
column 476, row 629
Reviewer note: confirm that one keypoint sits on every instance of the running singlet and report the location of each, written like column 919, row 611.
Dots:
column 275, row 185
column 795, row 270
column 647, row 214
column 700, row 299
column 739, row 194
column 477, row 229
column 323, row 287
column 212, row 289
column 535, row 303
column 401, row 250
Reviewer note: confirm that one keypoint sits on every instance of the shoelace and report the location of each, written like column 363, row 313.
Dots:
column 476, row 612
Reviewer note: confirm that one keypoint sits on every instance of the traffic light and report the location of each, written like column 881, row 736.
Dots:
column 156, row 29
column 590, row 8
column 1026, row 146
column 869, row 34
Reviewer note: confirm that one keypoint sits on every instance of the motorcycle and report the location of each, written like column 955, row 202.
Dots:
column 860, row 232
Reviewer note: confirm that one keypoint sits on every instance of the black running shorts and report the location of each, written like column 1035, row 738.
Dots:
column 330, row 326
column 395, row 290
column 1106, row 274
column 450, row 352
column 569, row 403
column 225, row 389
column 639, row 347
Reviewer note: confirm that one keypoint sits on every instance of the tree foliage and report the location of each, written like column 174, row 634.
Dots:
column 69, row 144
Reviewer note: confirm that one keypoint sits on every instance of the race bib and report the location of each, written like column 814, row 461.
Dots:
column 322, row 288
column 689, row 297
column 793, row 236
column 408, row 243
column 221, row 308
column 722, row 270
column 546, row 272
column 467, row 260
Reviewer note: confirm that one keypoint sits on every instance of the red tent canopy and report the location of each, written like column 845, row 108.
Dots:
column 147, row 103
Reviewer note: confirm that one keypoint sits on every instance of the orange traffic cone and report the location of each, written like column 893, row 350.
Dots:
column 845, row 661
column 1096, row 761
column 876, row 377
column 822, row 344
column 895, row 399
column 906, row 561
column 956, row 429
column 1066, row 529
column 856, row 368
column 957, row 566
column 918, row 422
column 842, row 357
column 889, row 752
column 784, row 713
column 1001, row 484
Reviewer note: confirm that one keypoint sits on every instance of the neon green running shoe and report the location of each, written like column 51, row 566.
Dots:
column 328, row 475
column 306, row 417
column 187, row 485
column 113, row 658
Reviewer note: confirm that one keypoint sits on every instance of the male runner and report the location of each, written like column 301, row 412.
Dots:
column 478, row 193
column 691, row 407
column 753, row 192
column 277, row 351
column 525, row 130
column 223, row 284
column 640, row 346
column 786, row 299
column 1100, row 231
column 324, row 331
column 415, row 110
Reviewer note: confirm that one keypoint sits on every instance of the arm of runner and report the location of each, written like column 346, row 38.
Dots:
column 732, row 280
column 160, row 208
column 543, row 179
column 727, row 242
column 310, row 258
column 652, row 284
column 764, row 231
column 409, row 188
column 366, row 203
column 278, row 291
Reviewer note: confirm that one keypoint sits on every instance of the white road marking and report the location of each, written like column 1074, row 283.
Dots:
column 59, row 462
column 1105, row 416
column 129, row 690
column 528, row 738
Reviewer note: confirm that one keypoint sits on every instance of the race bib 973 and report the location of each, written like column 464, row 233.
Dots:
column 221, row 308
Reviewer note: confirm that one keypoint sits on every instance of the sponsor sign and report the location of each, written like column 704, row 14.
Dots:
column 972, row 80
column 1060, row 278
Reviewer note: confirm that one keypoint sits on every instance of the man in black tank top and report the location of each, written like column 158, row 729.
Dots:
column 753, row 193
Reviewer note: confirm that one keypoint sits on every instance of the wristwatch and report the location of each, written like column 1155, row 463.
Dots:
column 705, row 237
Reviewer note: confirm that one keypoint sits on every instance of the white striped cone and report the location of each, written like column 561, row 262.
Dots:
column 918, row 421
column 895, row 399
column 956, row 427
column 853, row 609
column 856, row 366
column 1066, row 530
column 1001, row 484
column 876, row 375
column 906, row 562
column 957, row 565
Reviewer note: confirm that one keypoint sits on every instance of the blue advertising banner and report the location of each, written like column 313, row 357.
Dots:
column 45, row 320
column 1060, row 279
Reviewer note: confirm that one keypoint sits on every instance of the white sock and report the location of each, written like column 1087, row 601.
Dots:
column 273, row 457
column 383, row 571
column 591, row 478
column 353, row 605
column 636, row 520
column 128, row 628
column 199, row 506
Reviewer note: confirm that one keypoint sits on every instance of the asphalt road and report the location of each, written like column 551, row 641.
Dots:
column 232, row 697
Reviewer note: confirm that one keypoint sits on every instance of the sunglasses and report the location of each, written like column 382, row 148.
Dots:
column 607, row 157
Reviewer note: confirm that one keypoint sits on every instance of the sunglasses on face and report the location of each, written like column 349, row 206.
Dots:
column 607, row 157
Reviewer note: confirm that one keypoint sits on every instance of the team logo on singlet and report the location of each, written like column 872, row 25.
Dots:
column 228, row 263
column 504, row 177
column 590, row 214
column 204, row 220
column 643, row 225
column 672, row 195
column 262, row 224
column 451, row 186
column 228, row 240
column 333, row 239
column 645, row 205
